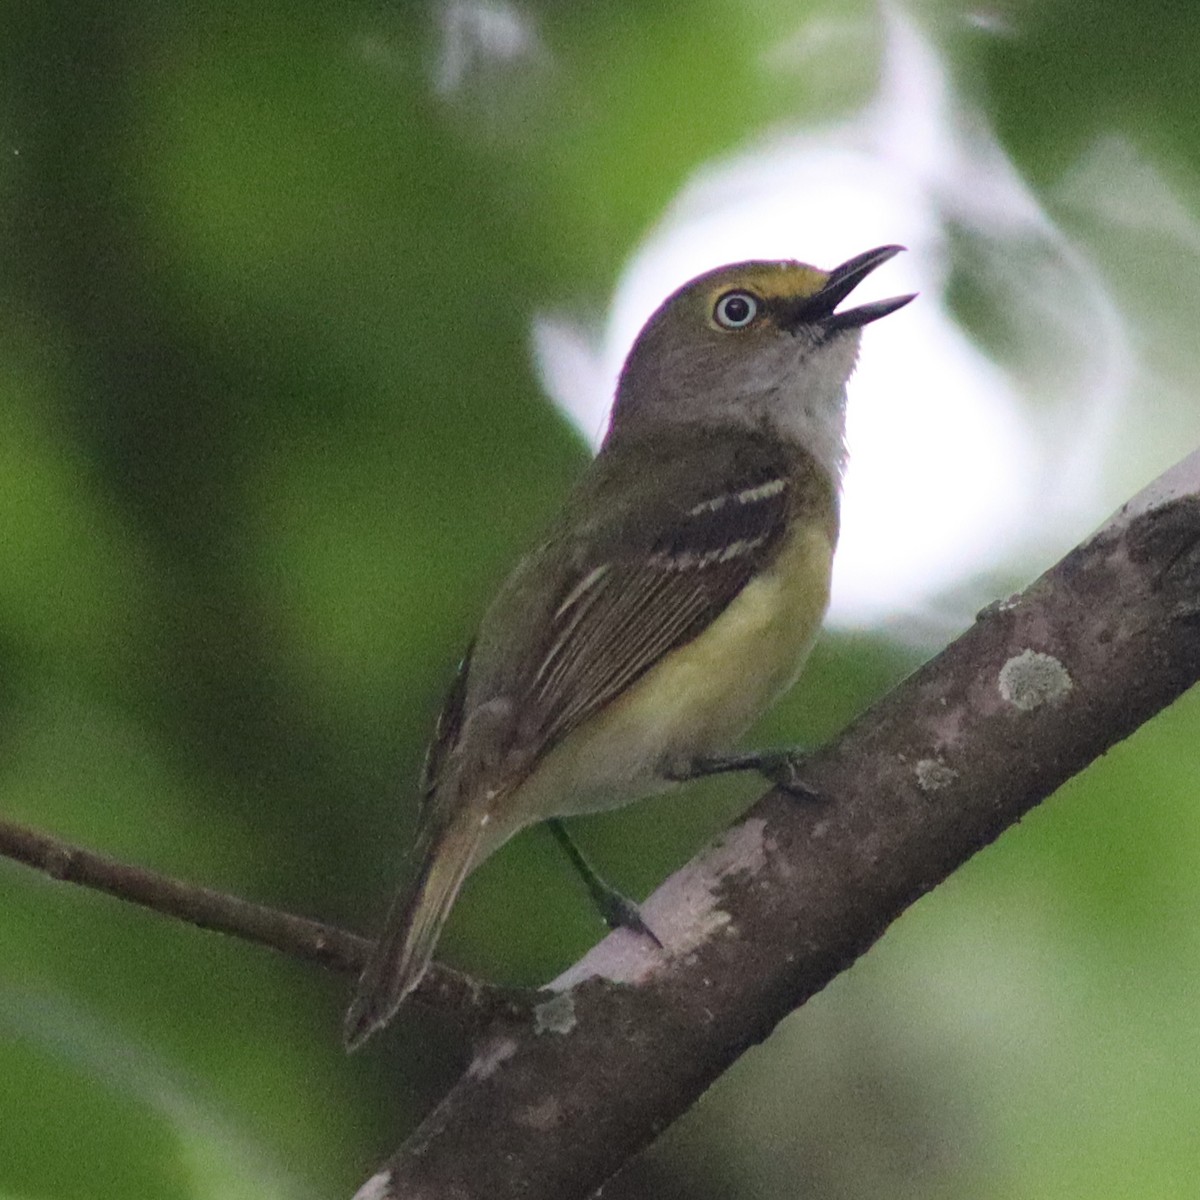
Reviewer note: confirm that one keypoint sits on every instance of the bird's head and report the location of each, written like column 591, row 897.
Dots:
column 755, row 342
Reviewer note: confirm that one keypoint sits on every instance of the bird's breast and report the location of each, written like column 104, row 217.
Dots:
column 699, row 698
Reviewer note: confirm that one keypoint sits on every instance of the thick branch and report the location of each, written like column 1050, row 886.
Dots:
column 475, row 1003
column 1040, row 686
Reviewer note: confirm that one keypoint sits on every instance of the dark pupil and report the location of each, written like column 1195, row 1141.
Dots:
column 737, row 309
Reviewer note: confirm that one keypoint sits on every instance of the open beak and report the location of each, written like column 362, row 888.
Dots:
column 818, row 308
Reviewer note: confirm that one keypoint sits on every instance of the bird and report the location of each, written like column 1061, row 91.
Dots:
column 675, row 597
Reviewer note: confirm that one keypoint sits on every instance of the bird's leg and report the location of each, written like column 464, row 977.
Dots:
column 781, row 767
column 618, row 911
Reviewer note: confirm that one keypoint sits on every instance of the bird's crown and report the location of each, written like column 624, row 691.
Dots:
column 783, row 295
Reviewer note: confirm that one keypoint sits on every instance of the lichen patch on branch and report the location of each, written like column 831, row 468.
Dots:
column 933, row 774
column 494, row 1052
column 1031, row 679
column 376, row 1188
column 556, row 1015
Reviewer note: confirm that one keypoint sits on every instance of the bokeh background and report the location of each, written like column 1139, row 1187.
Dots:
column 284, row 291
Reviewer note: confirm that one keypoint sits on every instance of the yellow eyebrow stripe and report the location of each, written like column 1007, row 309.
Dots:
column 772, row 281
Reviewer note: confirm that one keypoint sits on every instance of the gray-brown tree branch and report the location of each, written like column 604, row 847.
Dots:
column 1041, row 685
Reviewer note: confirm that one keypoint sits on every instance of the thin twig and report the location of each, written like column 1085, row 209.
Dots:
column 298, row 937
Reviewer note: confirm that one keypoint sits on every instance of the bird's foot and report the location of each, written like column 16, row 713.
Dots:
column 782, row 767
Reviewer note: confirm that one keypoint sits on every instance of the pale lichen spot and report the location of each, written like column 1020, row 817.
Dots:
column 490, row 1056
column 540, row 1117
column 933, row 774
column 376, row 1188
column 556, row 1015
column 1031, row 679
column 997, row 607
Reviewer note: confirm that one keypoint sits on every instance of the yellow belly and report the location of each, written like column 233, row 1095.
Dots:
column 699, row 699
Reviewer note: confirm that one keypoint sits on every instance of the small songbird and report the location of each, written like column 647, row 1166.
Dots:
column 677, row 595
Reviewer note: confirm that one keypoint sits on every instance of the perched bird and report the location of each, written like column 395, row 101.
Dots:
column 677, row 595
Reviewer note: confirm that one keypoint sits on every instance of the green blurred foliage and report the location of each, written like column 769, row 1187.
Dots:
column 271, row 435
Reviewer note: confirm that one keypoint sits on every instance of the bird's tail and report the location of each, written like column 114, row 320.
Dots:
column 411, row 931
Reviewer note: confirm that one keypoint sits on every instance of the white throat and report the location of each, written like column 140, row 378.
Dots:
column 806, row 404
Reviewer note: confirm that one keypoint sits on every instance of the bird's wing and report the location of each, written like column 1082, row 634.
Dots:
column 637, row 599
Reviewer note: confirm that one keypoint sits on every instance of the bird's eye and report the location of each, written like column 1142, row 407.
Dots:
column 735, row 310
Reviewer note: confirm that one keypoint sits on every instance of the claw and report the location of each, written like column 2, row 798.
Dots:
column 619, row 912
